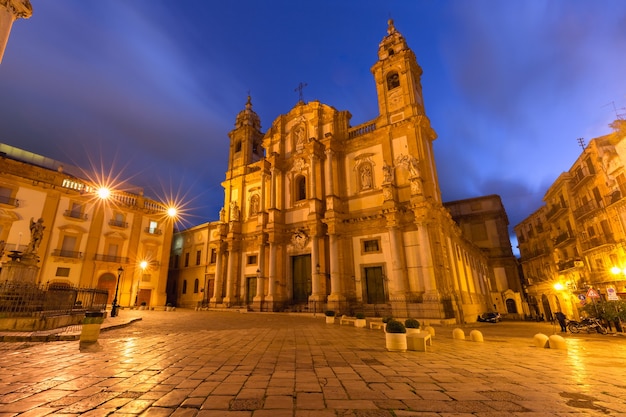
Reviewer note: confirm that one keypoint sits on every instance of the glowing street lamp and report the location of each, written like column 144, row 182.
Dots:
column 115, row 306
column 103, row 193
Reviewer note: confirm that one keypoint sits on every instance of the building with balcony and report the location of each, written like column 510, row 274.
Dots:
column 578, row 238
column 86, row 238
column 319, row 214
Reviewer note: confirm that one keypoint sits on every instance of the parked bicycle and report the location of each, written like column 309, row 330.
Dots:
column 589, row 325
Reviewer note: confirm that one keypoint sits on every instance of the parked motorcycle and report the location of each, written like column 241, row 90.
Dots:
column 590, row 325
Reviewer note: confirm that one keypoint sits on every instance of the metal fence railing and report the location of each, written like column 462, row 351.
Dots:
column 17, row 299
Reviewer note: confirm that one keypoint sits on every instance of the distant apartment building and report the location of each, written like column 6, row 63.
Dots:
column 576, row 242
column 89, row 240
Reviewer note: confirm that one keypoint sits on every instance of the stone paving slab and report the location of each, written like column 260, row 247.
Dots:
column 204, row 363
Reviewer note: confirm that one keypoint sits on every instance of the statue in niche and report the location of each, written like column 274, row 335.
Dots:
column 36, row 235
column 234, row 211
column 222, row 215
column 366, row 176
column 254, row 205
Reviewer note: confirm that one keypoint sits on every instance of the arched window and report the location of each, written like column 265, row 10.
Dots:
column 238, row 146
column 393, row 81
column 300, row 189
column 185, row 286
column 196, row 286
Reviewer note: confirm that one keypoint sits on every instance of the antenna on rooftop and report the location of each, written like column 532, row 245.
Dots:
column 581, row 143
column 618, row 116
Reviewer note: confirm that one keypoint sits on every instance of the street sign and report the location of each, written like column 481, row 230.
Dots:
column 582, row 297
column 611, row 293
column 591, row 293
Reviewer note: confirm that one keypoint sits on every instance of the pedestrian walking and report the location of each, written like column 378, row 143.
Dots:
column 560, row 317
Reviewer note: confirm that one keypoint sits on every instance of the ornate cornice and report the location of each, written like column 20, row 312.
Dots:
column 22, row 9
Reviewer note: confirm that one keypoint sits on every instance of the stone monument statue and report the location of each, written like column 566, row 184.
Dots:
column 36, row 235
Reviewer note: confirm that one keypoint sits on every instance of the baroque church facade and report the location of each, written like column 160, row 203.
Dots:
column 319, row 215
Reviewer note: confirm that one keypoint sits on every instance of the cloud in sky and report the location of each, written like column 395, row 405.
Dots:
column 155, row 86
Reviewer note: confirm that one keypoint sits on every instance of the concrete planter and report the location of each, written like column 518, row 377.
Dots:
column 410, row 330
column 360, row 323
column 395, row 342
column 330, row 319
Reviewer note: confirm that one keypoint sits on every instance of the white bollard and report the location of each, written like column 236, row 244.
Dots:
column 476, row 336
column 541, row 340
column 557, row 342
column 458, row 334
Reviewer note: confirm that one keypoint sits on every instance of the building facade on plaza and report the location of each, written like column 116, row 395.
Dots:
column 319, row 214
column 576, row 241
column 484, row 221
column 87, row 239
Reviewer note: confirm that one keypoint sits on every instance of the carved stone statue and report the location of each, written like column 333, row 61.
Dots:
column 387, row 173
column 36, row 235
column 234, row 211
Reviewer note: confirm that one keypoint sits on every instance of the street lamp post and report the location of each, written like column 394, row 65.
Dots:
column 115, row 306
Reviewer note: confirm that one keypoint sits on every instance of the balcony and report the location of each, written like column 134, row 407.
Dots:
column 569, row 264
column 563, row 237
column 13, row 202
column 111, row 258
column 582, row 176
column 75, row 215
column 152, row 231
column 588, row 208
column 118, row 223
column 556, row 209
column 598, row 241
column 67, row 254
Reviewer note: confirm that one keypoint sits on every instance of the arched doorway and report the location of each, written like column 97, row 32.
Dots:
column 511, row 307
column 107, row 282
column 545, row 302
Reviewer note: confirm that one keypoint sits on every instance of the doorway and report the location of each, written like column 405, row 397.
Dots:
column 301, row 274
column 374, row 285
column 250, row 289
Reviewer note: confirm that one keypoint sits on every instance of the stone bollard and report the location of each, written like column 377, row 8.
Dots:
column 557, row 342
column 91, row 326
column 458, row 334
column 476, row 336
column 541, row 340
column 430, row 330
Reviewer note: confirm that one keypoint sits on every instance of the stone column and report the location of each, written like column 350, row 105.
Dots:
column 398, row 268
column 315, row 281
column 10, row 11
column 259, row 282
column 271, row 287
column 229, row 278
column 335, row 279
column 329, row 172
column 219, row 278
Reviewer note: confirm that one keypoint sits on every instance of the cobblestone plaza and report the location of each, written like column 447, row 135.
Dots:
column 201, row 363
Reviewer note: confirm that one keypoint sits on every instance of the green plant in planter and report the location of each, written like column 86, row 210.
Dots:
column 411, row 324
column 360, row 316
column 329, row 313
column 387, row 319
column 394, row 326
